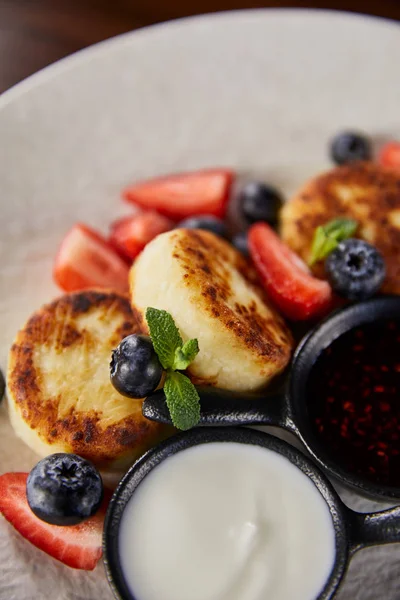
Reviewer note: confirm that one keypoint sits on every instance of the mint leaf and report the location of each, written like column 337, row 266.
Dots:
column 341, row 228
column 328, row 236
column 182, row 400
column 164, row 335
column 323, row 244
column 185, row 355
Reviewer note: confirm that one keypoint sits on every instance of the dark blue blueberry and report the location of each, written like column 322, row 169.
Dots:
column 260, row 202
column 64, row 489
column 135, row 370
column 349, row 147
column 2, row 385
column 207, row 222
column 355, row 269
column 241, row 243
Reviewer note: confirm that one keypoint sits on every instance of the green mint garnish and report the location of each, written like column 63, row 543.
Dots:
column 164, row 335
column 328, row 236
column 182, row 398
column 185, row 355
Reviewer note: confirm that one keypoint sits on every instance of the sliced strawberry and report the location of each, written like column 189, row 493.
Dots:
column 296, row 293
column 186, row 194
column 86, row 260
column 389, row 155
column 78, row 546
column 130, row 235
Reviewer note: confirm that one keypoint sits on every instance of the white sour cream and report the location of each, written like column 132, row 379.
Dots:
column 226, row 521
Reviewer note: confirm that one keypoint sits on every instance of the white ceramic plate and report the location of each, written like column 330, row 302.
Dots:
column 261, row 91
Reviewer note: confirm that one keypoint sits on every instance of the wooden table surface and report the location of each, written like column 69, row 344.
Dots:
column 35, row 33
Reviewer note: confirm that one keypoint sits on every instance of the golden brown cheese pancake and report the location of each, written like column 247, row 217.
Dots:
column 210, row 290
column 59, row 390
column 365, row 192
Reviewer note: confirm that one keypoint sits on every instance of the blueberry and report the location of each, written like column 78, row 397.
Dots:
column 135, row 369
column 355, row 269
column 260, row 202
column 207, row 222
column 241, row 243
column 2, row 385
column 64, row 489
column 349, row 147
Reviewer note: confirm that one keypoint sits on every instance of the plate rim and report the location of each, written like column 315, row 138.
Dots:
column 67, row 62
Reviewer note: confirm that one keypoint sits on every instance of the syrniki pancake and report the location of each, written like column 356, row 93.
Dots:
column 59, row 390
column 210, row 290
column 365, row 192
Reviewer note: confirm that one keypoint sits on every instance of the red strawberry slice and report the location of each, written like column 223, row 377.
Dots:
column 86, row 260
column 296, row 293
column 389, row 155
column 186, row 194
column 130, row 235
column 78, row 546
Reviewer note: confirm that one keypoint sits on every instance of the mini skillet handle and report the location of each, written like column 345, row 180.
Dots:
column 221, row 407
column 371, row 529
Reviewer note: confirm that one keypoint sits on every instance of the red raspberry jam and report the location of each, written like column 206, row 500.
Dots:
column 353, row 401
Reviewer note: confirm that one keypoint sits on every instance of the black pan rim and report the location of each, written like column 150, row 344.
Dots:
column 198, row 436
column 331, row 328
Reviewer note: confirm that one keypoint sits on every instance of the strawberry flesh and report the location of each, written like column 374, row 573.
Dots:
column 295, row 292
column 183, row 195
column 389, row 156
column 78, row 546
column 130, row 235
column 86, row 260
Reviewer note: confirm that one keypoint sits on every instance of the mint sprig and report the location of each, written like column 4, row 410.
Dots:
column 181, row 395
column 182, row 400
column 164, row 335
column 328, row 236
column 185, row 355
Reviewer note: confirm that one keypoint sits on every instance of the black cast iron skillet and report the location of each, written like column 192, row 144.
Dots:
column 353, row 531
column 288, row 410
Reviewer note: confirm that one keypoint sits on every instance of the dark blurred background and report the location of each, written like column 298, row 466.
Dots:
column 35, row 33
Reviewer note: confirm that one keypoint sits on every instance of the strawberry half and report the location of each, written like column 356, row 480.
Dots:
column 186, row 194
column 130, row 235
column 296, row 293
column 86, row 260
column 78, row 546
column 389, row 156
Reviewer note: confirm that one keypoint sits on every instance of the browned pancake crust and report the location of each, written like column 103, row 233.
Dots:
column 203, row 257
column 79, row 431
column 363, row 191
